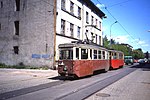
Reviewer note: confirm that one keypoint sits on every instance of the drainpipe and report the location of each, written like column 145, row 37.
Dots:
column 54, row 58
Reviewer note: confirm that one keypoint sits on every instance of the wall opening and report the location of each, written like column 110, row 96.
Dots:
column 16, row 27
column 17, row 5
column 16, row 49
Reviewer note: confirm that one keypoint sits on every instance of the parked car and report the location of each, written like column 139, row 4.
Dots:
column 148, row 61
column 128, row 60
column 141, row 61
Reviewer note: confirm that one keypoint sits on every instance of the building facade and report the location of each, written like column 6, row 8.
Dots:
column 27, row 32
column 31, row 30
column 78, row 20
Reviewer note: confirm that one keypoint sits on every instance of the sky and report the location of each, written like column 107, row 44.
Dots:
column 133, row 21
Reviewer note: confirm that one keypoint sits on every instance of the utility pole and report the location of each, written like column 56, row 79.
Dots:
column 110, row 33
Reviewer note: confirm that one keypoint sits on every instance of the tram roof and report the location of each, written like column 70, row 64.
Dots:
column 88, row 46
column 112, row 50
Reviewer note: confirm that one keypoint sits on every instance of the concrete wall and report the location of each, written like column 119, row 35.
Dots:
column 36, row 32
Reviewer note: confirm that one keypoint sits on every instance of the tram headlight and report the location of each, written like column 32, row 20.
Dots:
column 65, row 68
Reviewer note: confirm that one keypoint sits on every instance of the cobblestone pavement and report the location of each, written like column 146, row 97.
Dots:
column 135, row 86
column 14, row 79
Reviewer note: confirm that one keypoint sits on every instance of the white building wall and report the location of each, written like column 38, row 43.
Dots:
column 65, row 15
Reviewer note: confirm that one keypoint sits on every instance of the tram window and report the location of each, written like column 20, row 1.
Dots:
column 115, row 55
column 99, row 54
column 84, row 53
column 77, row 53
column 120, row 56
column 103, row 54
column 66, row 54
column 95, row 54
column 91, row 53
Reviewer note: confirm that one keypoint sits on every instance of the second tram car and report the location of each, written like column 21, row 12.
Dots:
column 116, row 59
column 82, row 59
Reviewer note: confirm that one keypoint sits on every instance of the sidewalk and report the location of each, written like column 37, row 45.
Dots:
column 14, row 79
column 135, row 86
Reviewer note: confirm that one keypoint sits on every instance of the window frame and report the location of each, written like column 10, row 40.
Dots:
column 78, row 32
column 87, row 17
column 71, row 30
column 63, row 4
column 71, row 7
column 79, row 12
column 63, row 22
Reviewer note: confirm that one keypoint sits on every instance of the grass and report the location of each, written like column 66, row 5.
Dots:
column 20, row 66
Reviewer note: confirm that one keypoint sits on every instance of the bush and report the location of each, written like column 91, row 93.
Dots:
column 21, row 66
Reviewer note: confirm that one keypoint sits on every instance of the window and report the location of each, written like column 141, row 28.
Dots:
column 96, row 22
column 62, row 26
column 95, row 54
column 78, row 33
column 77, row 53
column 99, row 54
column 92, row 20
column 84, row 53
column 86, row 34
column 63, row 3
column 17, row 5
column 16, row 27
column 96, row 38
column 79, row 12
column 1, row 5
column 71, row 29
column 100, row 25
column 120, row 56
column 71, row 7
column 103, row 54
column 115, row 55
column 87, row 17
column 92, row 37
column 91, row 54
column 66, row 54
column 0, row 26
column 100, row 40
column 16, row 49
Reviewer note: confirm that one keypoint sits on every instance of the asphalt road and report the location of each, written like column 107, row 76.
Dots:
column 69, row 90
column 135, row 86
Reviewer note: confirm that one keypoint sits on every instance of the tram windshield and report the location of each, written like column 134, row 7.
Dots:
column 66, row 54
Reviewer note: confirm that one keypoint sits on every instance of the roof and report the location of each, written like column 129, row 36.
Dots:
column 88, row 46
column 112, row 50
column 92, row 6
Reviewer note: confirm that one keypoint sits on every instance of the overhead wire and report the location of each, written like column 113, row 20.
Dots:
column 119, row 22
column 123, row 2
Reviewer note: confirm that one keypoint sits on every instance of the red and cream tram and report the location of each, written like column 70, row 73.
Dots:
column 82, row 59
column 116, row 59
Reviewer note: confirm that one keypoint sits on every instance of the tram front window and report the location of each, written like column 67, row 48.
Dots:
column 66, row 54
column 84, row 53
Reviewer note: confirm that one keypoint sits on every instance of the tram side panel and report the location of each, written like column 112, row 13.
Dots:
column 83, row 68
column 116, row 63
column 100, row 64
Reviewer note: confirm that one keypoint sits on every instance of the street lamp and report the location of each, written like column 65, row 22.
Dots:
column 110, row 32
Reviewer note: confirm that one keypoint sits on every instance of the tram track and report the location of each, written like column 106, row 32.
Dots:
column 87, row 91
column 79, row 91
column 19, row 92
